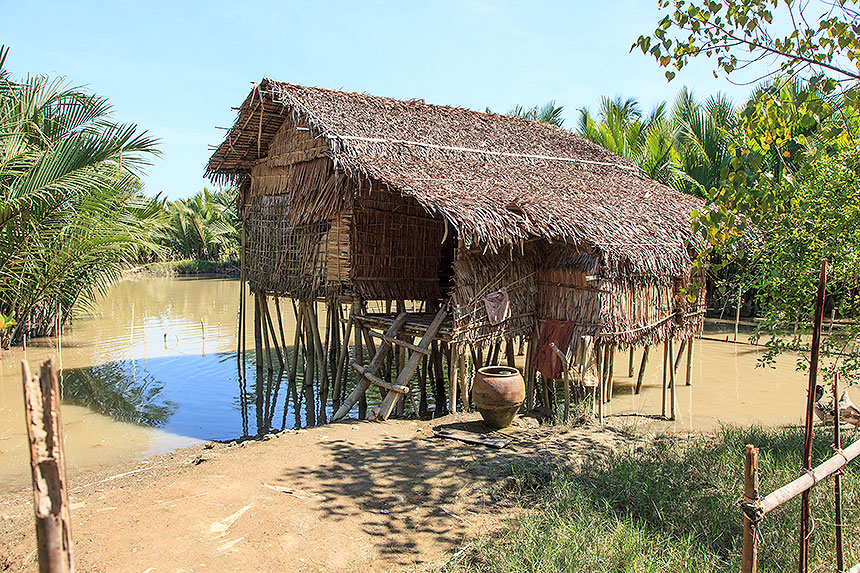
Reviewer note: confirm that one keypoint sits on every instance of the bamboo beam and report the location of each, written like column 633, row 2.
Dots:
column 48, row 469
column 399, row 342
column 362, row 371
column 805, row 482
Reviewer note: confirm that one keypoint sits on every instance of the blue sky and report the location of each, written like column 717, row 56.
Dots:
column 176, row 68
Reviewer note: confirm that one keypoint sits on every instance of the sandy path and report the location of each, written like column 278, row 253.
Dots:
column 355, row 496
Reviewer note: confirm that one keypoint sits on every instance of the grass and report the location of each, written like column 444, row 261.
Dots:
column 189, row 267
column 669, row 505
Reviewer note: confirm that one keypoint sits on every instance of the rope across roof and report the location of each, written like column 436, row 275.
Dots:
column 497, row 179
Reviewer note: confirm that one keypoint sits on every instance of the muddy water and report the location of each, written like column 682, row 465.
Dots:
column 153, row 367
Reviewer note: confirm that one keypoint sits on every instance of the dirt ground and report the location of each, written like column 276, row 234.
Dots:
column 350, row 496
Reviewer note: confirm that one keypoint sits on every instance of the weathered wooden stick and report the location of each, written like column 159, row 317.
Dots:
column 263, row 304
column 610, row 374
column 240, row 335
column 665, row 373
column 281, row 327
column 738, row 313
column 807, row 480
column 600, row 385
column 422, row 384
column 750, row 524
column 258, row 338
column 48, row 466
column 642, row 368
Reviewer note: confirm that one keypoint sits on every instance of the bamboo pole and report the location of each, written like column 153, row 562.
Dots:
column 738, row 313
column 48, row 469
column 263, row 303
column 679, row 355
column 310, row 371
column 240, row 335
column 803, row 564
column 665, row 373
column 631, row 367
column 464, row 384
column 258, row 339
column 610, row 372
column 341, row 359
column 600, row 387
column 529, row 372
column 808, row 479
column 510, row 354
column 452, row 378
column 688, row 378
column 837, row 481
column 438, row 379
column 673, row 395
column 274, row 335
column 750, row 523
column 642, row 365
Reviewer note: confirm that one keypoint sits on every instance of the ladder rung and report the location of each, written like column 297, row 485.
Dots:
column 403, row 343
column 379, row 381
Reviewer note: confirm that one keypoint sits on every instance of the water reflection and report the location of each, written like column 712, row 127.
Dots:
column 115, row 389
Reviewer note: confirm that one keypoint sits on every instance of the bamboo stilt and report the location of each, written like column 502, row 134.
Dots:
column 341, row 359
column 679, row 355
column 464, row 384
column 422, row 384
column 263, row 304
column 310, row 371
column 688, row 378
column 610, row 374
column 271, row 324
column 258, row 339
column 600, row 385
column 665, row 374
column 673, row 395
column 452, row 378
column 439, row 379
column 510, row 354
column 642, row 366
column 631, row 367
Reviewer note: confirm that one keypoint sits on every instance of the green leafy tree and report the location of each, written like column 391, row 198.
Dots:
column 72, row 216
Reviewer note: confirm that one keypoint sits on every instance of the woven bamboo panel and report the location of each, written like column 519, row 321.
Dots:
column 476, row 275
column 395, row 248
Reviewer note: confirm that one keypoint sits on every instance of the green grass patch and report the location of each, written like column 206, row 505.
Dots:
column 190, row 267
column 668, row 505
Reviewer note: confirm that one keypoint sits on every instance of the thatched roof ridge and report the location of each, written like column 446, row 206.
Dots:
column 498, row 180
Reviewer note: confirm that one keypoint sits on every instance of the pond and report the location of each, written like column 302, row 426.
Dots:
column 154, row 367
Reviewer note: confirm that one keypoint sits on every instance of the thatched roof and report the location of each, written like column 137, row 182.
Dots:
column 499, row 180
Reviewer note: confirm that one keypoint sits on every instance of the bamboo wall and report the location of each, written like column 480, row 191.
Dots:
column 396, row 249
column 477, row 274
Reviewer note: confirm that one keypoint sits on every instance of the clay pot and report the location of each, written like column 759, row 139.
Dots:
column 498, row 392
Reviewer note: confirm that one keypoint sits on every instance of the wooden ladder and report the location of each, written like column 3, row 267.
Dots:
column 400, row 387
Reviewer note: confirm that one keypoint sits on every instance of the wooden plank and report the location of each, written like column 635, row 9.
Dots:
column 403, row 343
column 473, row 438
column 362, row 371
column 384, row 409
column 48, row 467
column 363, row 384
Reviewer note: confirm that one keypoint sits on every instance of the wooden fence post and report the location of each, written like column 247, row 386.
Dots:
column 750, row 522
column 50, row 499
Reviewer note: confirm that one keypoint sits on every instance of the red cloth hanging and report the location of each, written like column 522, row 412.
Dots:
column 546, row 360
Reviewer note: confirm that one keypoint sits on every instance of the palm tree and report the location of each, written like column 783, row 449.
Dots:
column 72, row 215
column 204, row 226
column 547, row 113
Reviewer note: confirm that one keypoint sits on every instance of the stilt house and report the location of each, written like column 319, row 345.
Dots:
column 512, row 228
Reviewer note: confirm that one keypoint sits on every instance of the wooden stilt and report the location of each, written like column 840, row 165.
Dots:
column 310, row 371
column 665, row 374
column 642, row 365
column 631, row 367
column 751, row 483
column 510, row 354
column 679, row 355
column 271, row 326
column 530, row 376
column 359, row 359
column 439, row 379
column 600, row 386
column 610, row 374
column 422, row 384
column 464, row 383
column 48, row 469
column 263, row 304
column 453, row 353
column 316, row 346
column 673, row 397
column 240, row 335
column 341, row 359
column 259, row 359
column 689, row 375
